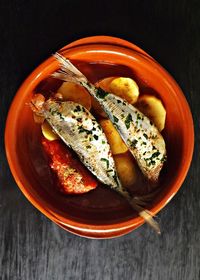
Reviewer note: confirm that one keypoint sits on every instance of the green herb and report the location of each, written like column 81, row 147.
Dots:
column 77, row 109
column 115, row 119
column 133, row 143
column 96, row 137
column 100, row 93
column 82, row 130
column 128, row 121
column 156, row 154
column 115, row 177
column 103, row 142
column 145, row 135
column 110, row 170
column 88, row 147
column 61, row 117
column 106, row 160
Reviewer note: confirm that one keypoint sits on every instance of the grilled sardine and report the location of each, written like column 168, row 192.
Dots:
column 138, row 132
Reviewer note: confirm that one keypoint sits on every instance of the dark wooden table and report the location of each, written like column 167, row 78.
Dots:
column 31, row 246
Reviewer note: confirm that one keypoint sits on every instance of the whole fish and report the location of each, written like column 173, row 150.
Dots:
column 140, row 135
column 80, row 131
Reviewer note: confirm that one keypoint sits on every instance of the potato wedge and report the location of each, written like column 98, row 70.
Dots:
column 104, row 84
column 125, row 88
column 114, row 139
column 76, row 93
column 126, row 169
column 48, row 132
column 153, row 108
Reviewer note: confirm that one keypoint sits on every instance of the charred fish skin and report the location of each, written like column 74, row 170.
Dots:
column 140, row 135
column 80, row 131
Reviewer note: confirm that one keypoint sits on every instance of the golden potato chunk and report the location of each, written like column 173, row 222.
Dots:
column 153, row 108
column 125, row 88
column 116, row 143
column 126, row 169
column 75, row 93
column 47, row 131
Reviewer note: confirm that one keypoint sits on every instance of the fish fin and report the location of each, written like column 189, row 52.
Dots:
column 68, row 71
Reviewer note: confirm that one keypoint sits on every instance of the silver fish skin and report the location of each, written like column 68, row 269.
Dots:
column 140, row 135
column 80, row 131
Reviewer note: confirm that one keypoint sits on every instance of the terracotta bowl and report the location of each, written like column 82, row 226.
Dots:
column 100, row 213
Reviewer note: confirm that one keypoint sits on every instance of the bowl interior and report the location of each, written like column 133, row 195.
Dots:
column 101, row 206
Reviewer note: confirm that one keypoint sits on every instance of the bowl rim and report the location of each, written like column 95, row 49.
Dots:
column 79, row 228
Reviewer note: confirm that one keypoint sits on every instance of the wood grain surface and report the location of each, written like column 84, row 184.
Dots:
column 31, row 246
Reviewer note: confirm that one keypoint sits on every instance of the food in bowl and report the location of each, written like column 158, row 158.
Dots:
column 128, row 127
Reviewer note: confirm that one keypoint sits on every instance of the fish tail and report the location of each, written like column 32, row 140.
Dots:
column 145, row 214
column 68, row 71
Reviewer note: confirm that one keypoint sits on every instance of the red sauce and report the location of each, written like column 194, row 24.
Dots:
column 72, row 176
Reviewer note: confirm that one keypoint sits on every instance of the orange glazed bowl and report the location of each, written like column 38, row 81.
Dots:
column 101, row 213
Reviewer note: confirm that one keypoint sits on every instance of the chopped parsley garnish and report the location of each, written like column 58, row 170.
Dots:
column 61, row 117
column 103, row 142
column 110, row 170
column 128, row 121
column 101, row 93
column 88, row 147
column 115, row 178
column 145, row 135
column 134, row 143
column 156, row 154
column 77, row 109
column 115, row 119
column 96, row 137
column 106, row 160
column 82, row 130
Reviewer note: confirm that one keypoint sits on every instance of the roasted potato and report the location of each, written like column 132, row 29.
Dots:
column 126, row 169
column 116, row 143
column 153, row 108
column 47, row 131
column 75, row 93
column 125, row 88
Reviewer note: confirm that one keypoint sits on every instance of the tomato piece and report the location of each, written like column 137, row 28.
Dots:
column 72, row 175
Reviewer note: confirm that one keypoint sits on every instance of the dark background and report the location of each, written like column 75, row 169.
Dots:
column 31, row 246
